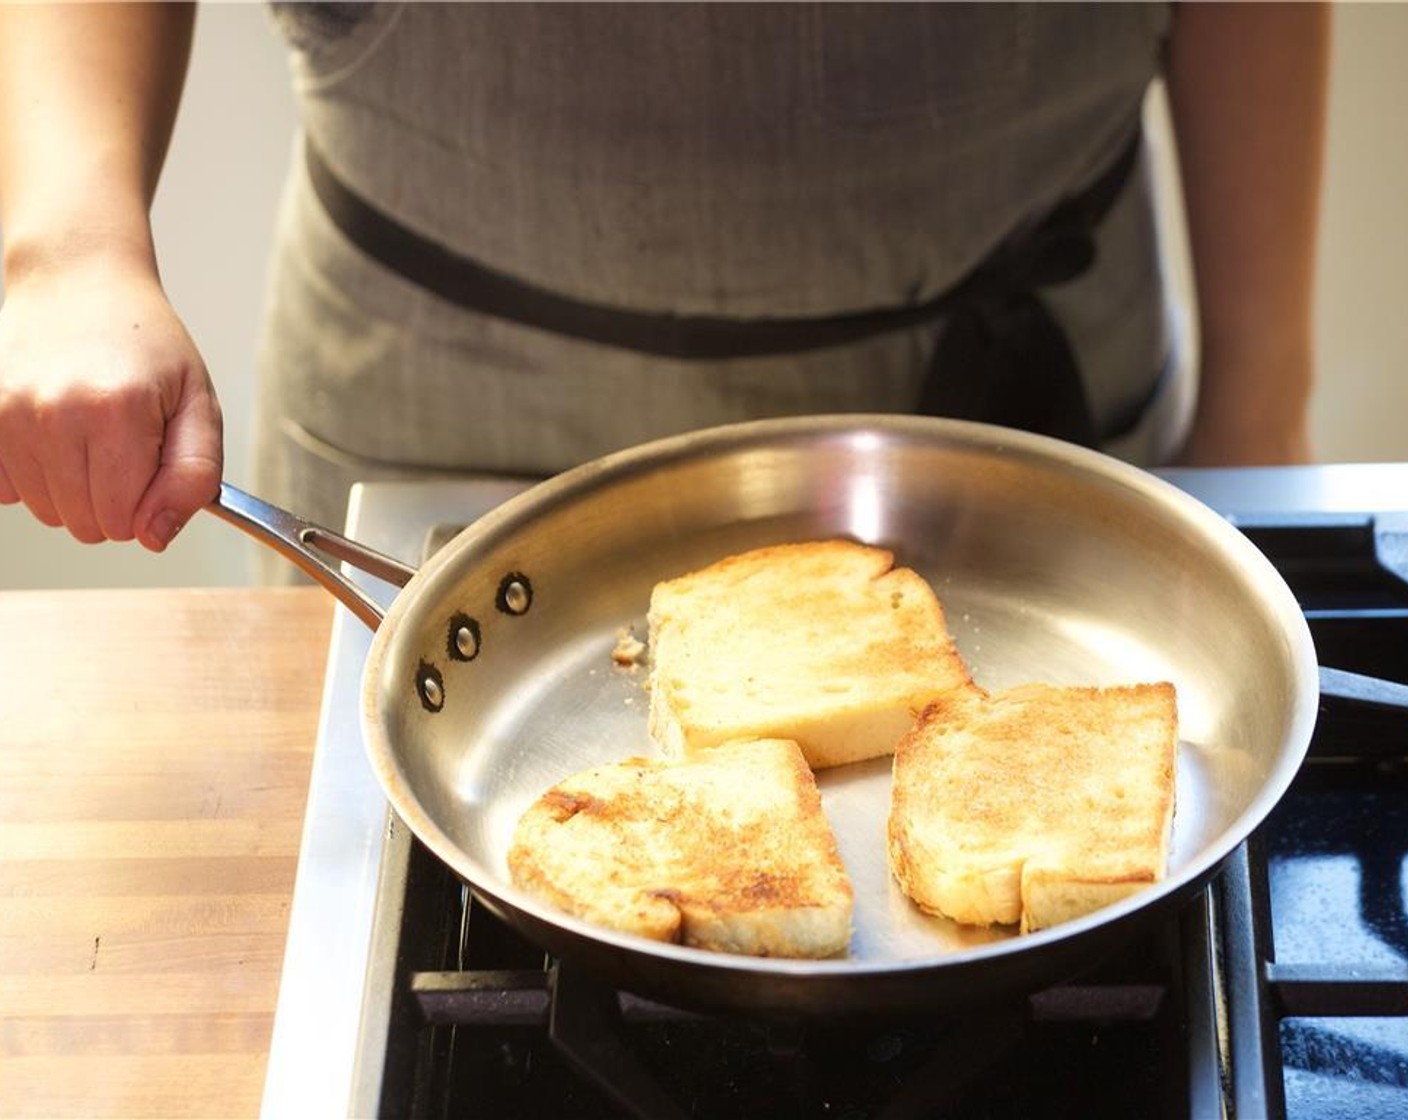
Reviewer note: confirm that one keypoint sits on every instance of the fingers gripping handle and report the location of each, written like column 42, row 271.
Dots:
column 306, row 544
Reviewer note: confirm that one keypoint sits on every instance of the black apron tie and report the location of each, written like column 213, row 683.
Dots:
column 1000, row 356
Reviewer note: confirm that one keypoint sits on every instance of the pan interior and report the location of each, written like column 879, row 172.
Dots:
column 1051, row 567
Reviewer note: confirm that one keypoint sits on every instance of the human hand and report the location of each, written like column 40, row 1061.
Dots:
column 1254, row 411
column 1246, row 445
column 109, row 424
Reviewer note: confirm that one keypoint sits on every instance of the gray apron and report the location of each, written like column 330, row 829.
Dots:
column 718, row 161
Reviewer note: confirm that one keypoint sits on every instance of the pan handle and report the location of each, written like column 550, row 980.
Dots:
column 304, row 543
column 1363, row 715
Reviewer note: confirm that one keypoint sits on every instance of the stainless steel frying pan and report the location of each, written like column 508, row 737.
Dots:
column 491, row 676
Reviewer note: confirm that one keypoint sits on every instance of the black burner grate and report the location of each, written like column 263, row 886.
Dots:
column 1259, row 1000
column 516, row 1035
column 1315, row 938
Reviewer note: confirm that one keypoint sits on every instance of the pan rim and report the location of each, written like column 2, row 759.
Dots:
column 562, row 488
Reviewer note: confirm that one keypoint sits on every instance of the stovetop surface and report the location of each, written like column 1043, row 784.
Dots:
column 1338, row 866
column 1112, row 1042
column 1003, row 1063
column 1328, row 906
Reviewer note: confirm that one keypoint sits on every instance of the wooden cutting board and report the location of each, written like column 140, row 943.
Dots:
column 155, row 747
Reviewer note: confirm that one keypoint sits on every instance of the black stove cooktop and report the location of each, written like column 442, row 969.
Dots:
column 1282, row 989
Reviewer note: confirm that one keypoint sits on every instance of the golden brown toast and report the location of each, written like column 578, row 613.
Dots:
column 826, row 643
column 1036, row 805
column 728, row 850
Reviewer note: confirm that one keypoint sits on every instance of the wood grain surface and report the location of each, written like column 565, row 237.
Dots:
column 154, row 755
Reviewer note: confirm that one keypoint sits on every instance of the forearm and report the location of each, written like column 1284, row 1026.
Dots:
column 88, row 98
column 1247, row 86
column 109, row 424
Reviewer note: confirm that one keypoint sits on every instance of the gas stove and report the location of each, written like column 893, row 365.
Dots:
column 1282, row 989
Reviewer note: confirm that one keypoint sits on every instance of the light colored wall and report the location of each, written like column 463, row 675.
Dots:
column 233, row 142
column 1361, row 404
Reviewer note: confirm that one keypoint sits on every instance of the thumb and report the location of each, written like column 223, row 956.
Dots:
column 188, row 477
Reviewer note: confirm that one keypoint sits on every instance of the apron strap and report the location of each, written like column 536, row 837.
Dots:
column 993, row 315
column 1000, row 356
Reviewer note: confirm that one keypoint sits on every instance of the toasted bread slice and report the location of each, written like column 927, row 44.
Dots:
column 728, row 850
column 1037, row 805
column 826, row 643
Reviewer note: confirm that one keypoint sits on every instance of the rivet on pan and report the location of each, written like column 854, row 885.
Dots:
column 431, row 687
column 515, row 594
column 463, row 644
